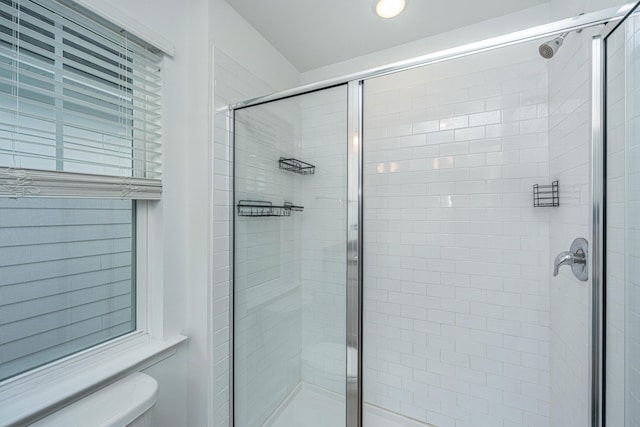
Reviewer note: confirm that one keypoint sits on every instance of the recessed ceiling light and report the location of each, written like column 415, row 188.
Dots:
column 389, row 8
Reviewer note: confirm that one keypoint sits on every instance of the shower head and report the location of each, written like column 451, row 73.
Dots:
column 549, row 48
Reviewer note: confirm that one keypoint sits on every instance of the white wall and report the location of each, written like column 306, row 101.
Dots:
column 232, row 35
column 324, row 196
column 561, row 9
column 456, row 260
column 182, row 216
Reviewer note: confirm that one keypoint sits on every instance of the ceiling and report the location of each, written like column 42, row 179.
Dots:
column 312, row 34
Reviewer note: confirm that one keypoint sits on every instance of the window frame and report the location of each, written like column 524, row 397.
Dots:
column 30, row 395
column 51, row 29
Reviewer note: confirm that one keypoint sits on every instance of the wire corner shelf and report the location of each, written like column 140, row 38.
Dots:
column 546, row 195
column 258, row 208
column 296, row 166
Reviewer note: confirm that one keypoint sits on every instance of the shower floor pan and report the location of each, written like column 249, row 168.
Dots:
column 310, row 406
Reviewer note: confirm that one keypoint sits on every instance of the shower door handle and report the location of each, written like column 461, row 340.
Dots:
column 576, row 257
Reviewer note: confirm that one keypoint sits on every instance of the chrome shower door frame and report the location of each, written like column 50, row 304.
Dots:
column 597, row 229
column 354, row 254
column 599, row 214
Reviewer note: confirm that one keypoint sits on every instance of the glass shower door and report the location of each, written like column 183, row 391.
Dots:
column 622, row 370
column 290, row 261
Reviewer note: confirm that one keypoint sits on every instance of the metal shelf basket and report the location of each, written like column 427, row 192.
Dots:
column 297, row 166
column 546, row 195
column 257, row 208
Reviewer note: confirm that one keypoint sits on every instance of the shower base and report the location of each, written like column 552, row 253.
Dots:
column 310, row 406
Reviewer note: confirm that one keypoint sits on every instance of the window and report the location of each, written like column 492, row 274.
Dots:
column 66, row 277
column 80, row 144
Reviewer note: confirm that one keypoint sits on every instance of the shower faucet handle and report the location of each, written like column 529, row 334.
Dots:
column 576, row 257
column 568, row 258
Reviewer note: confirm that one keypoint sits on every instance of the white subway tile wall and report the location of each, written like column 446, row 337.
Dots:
column 570, row 163
column 323, row 231
column 233, row 83
column 267, row 296
column 456, row 261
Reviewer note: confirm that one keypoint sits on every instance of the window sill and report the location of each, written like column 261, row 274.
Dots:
column 31, row 396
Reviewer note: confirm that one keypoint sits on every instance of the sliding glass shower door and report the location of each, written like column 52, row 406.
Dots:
column 290, row 261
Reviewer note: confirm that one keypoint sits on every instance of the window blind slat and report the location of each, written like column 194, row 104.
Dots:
column 51, row 19
column 79, row 84
column 110, row 60
column 37, row 183
column 16, row 273
column 76, row 97
column 65, row 277
column 23, row 255
column 154, row 135
column 114, row 106
column 66, row 233
column 91, row 145
column 34, row 309
column 75, row 164
column 105, row 82
column 56, row 315
column 117, row 78
column 83, row 322
column 51, row 350
column 88, row 88
column 110, row 37
column 114, row 155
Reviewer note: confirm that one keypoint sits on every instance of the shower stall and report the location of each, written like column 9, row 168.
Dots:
column 446, row 241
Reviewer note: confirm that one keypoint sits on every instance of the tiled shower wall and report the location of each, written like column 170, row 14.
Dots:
column 570, row 157
column 456, row 257
column 267, row 297
column 323, row 144
column 233, row 83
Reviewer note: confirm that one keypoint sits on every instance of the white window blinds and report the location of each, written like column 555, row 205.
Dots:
column 80, row 106
column 66, row 277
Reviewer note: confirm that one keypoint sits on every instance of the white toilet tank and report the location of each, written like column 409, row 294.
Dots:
column 127, row 402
